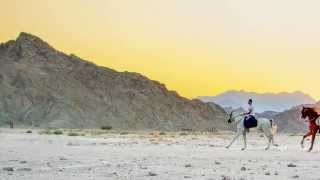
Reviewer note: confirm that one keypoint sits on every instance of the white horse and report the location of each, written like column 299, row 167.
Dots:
column 263, row 124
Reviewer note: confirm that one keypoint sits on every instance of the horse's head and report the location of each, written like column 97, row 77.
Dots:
column 231, row 117
column 304, row 112
column 309, row 112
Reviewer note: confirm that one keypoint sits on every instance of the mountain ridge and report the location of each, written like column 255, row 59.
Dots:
column 263, row 101
column 41, row 86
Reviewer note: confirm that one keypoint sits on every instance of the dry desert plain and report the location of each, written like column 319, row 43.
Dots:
column 103, row 154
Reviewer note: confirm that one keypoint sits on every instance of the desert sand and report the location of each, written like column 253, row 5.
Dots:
column 152, row 155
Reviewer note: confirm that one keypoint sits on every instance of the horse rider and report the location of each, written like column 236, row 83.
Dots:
column 249, row 114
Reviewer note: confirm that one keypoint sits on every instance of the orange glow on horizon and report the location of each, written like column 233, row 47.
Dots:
column 196, row 48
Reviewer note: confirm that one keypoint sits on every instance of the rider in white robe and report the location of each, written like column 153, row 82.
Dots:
column 250, row 112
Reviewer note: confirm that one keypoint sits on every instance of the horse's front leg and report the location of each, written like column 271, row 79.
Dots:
column 234, row 139
column 312, row 139
column 244, row 134
column 305, row 136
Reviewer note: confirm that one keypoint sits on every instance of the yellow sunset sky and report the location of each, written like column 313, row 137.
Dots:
column 196, row 47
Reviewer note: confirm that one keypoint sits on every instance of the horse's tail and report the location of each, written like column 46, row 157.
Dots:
column 271, row 122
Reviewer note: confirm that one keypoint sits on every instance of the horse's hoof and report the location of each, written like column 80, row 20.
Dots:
column 227, row 147
column 276, row 145
column 242, row 149
column 267, row 148
column 309, row 150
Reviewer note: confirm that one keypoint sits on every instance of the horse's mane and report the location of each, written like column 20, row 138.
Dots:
column 236, row 113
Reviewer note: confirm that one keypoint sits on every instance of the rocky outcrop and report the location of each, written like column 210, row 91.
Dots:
column 40, row 86
column 290, row 121
column 267, row 114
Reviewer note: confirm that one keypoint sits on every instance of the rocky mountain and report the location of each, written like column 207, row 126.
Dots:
column 277, row 102
column 230, row 109
column 290, row 121
column 267, row 114
column 42, row 87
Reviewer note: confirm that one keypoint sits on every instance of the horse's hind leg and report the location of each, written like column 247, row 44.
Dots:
column 269, row 135
column 312, row 141
column 244, row 135
column 269, row 142
column 273, row 142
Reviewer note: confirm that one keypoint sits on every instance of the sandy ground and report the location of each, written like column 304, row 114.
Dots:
column 152, row 156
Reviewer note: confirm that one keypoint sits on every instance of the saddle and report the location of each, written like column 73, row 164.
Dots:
column 250, row 122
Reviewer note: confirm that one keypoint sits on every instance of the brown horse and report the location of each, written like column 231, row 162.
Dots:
column 313, row 127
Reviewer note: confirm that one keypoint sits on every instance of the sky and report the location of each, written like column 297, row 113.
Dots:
column 196, row 48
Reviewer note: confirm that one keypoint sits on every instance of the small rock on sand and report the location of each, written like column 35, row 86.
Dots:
column 62, row 158
column 152, row 174
column 291, row 165
column 243, row 168
column 61, row 169
column 188, row 165
column 114, row 174
column 223, row 177
column 295, row 177
column 8, row 169
column 24, row 169
column 73, row 144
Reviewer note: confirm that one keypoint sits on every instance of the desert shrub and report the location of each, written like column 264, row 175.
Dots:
column 106, row 127
column 73, row 134
column 162, row 133
column 124, row 133
column 29, row 132
column 46, row 131
column 57, row 132
column 183, row 134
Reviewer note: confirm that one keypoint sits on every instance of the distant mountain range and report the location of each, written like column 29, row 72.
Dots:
column 277, row 102
column 43, row 87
